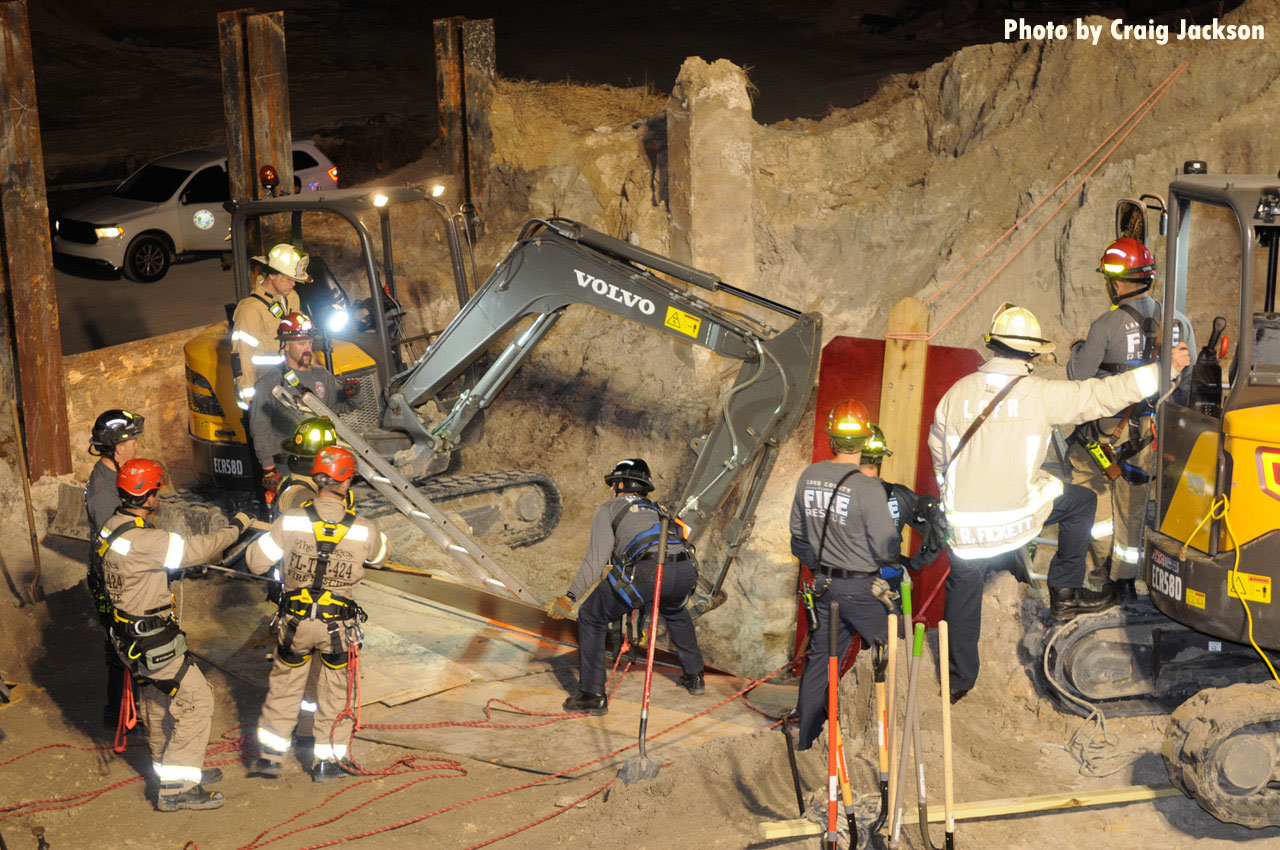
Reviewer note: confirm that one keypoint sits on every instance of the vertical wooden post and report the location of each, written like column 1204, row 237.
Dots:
column 449, row 102
column 902, row 392
column 269, row 96
column 28, row 273
column 233, row 49
column 479, row 76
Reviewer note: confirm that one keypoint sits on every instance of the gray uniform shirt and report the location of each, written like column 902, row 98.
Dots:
column 1116, row 337
column 271, row 423
column 632, row 518
column 100, row 496
column 861, row 534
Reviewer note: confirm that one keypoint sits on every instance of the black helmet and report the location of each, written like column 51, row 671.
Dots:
column 632, row 474
column 113, row 427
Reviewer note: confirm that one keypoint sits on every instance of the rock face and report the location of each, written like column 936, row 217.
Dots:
column 899, row 196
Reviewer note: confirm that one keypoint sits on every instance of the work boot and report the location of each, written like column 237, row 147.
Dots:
column 1125, row 590
column 266, row 768
column 694, row 683
column 585, row 703
column 958, row 695
column 1068, row 602
column 195, row 797
column 330, row 769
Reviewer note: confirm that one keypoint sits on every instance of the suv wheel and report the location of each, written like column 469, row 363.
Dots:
column 147, row 259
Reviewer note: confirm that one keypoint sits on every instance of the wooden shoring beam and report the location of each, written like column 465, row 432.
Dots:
column 902, row 394
column 480, row 75
column 450, row 105
column 233, row 52
column 28, row 274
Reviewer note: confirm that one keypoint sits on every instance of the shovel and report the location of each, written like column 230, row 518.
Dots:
column 833, row 733
column 641, row 767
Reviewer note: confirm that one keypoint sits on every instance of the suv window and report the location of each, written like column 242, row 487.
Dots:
column 303, row 160
column 210, row 186
column 152, row 183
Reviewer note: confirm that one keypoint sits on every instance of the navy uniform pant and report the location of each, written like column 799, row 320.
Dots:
column 1073, row 514
column 604, row 606
column 860, row 612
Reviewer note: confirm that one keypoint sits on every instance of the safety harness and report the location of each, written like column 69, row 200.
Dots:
column 316, row 603
column 622, row 567
column 271, row 304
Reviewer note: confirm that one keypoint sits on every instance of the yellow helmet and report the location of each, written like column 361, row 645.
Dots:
column 287, row 260
column 1019, row 329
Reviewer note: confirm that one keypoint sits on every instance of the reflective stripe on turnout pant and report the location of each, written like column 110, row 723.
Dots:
column 860, row 611
column 604, row 606
column 289, row 679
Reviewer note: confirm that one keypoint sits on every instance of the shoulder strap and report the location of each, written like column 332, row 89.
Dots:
column 328, row 536
column 826, row 517
column 273, row 306
column 978, row 420
column 116, row 533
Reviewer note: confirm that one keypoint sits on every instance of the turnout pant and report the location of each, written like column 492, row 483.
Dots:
column 1073, row 514
column 1121, row 503
column 604, row 606
column 312, row 646
column 860, row 612
column 177, row 726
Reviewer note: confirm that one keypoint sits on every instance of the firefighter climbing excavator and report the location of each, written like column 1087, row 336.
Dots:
column 415, row 413
column 1212, row 548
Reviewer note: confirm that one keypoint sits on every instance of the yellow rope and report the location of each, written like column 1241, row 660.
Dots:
column 1219, row 510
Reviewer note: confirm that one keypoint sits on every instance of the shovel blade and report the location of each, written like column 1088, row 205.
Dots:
column 638, row 769
column 71, row 519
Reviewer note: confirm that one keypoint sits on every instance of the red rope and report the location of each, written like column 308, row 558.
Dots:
column 128, row 717
column 543, row 819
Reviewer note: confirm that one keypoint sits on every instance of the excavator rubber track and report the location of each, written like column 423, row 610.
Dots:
column 1132, row 661
column 511, row 507
column 1222, row 749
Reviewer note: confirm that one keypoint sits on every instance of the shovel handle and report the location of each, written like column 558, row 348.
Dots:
column 653, row 632
column 891, row 706
column 833, row 729
column 948, row 792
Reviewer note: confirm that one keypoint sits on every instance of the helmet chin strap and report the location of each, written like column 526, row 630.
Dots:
column 1117, row 298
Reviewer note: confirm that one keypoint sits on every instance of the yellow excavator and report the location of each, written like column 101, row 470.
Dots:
column 1201, row 647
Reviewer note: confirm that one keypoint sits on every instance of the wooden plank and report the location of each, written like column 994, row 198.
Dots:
column 449, row 102
column 28, row 256
column 789, row 828
column 902, row 391
column 479, row 76
column 1048, row 802
column 232, row 50
column 269, row 96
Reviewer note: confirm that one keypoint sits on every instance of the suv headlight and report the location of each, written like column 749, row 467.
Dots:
column 110, row 232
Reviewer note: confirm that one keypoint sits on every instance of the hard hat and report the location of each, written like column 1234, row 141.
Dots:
column 1019, row 329
column 287, row 260
column 1128, row 259
column 875, row 447
column 632, row 474
column 139, row 477
column 310, row 437
column 113, row 427
column 847, row 426
column 333, row 464
column 295, row 326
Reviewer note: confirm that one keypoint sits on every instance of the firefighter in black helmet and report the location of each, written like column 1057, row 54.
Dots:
column 623, row 548
column 114, row 440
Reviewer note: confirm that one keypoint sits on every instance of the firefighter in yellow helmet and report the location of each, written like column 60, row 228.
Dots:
column 989, row 438
column 253, row 325
column 841, row 529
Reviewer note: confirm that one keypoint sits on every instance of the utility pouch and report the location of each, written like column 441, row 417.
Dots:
column 1103, row 457
column 148, row 652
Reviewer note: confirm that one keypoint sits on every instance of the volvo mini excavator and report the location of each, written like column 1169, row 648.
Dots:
column 417, row 412
column 1200, row 647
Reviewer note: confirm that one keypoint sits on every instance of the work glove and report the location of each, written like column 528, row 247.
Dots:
column 561, row 608
column 241, row 521
column 275, row 587
column 270, row 480
column 196, row 571
column 350, row 388
column 893, row 572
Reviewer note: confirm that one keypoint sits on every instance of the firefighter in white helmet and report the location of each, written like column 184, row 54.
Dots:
column 253, row 325
column 989, row 438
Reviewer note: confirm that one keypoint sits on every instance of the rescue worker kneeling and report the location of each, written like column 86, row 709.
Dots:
column 138, row 560
column 323, row 548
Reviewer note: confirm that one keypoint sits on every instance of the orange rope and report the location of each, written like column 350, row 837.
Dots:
column 1140, row 112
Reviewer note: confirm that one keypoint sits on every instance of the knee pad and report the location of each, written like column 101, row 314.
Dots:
column 289, row 658
column 334, row 660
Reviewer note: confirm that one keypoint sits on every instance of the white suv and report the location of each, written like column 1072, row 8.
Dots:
column 170, row 206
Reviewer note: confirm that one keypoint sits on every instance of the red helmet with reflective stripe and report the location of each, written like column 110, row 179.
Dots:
column 139, row 477
column 335, row 463
column 1128, row 259
column 848, row 426
column 295, row 326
